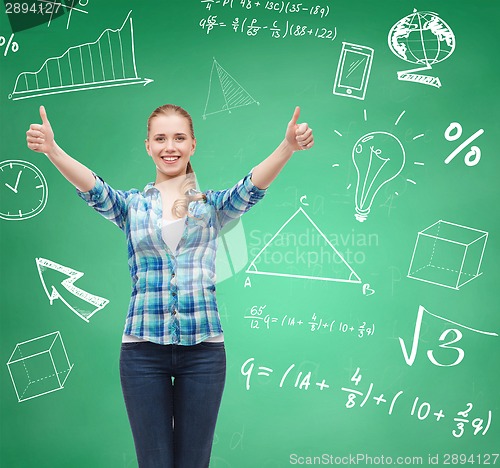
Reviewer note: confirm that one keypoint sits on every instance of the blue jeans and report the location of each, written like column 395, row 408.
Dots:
column 172, row 394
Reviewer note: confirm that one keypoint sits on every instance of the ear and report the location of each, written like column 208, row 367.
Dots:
column 194, row 147
column 148, row 149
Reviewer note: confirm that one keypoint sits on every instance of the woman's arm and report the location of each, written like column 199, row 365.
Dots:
column 40, row 138
column 297, row 137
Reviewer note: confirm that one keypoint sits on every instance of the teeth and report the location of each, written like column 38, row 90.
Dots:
column 170, row 158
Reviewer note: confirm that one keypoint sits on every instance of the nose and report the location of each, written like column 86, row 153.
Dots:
column 169, row 146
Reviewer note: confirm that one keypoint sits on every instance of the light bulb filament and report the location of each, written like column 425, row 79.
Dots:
column 364, row 193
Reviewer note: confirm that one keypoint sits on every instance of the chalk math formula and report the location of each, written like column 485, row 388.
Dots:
column 460, row 420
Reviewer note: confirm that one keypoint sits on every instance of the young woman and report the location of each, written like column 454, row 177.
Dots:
column 172, row 359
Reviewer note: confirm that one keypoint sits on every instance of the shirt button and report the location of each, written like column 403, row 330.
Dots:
column 174, row 294
column 173, row 275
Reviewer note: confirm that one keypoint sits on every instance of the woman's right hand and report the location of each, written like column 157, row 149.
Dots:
column 40, row 138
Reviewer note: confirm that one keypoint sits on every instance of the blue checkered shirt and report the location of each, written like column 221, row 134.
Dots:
column 173, row 297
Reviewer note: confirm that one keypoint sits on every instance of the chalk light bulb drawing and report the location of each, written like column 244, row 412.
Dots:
column 378, row 158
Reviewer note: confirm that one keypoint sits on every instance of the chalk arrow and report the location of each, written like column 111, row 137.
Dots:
column 96, row 302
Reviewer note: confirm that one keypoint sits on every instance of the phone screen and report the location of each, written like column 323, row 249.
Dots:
column 353, row 71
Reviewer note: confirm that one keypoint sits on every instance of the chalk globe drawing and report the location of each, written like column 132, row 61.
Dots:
column 422, row 38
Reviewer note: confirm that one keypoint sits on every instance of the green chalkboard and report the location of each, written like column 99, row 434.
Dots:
column 358, row 298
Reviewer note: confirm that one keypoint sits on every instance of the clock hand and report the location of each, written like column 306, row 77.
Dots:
column 14, row 189
column 17, row 181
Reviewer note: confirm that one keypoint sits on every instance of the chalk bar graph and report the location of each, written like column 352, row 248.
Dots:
column 107, row 62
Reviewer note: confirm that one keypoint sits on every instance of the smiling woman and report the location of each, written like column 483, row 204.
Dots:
column 171, row 143
column 172, row 359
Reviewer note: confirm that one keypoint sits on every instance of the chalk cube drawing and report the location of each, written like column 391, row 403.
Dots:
column 39, row 366
column 448, row 254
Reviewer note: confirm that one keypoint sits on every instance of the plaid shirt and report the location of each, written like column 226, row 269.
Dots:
column 173, row 293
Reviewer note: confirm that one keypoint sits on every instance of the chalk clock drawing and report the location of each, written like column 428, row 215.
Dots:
column 23, row 190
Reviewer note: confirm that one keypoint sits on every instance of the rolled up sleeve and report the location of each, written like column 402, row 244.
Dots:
column 110, row 203
column 233, row 202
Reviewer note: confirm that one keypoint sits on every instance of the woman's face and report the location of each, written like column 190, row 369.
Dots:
column 170, row 145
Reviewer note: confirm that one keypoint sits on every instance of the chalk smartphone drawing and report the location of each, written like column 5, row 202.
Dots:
column 378, row 158
column 295, row 255
column 23, row 190
column 353, row 71
column 39, row 366
column 424, row 39
column 225, row 93
column 81, row 302
column 107, row 62
column 448, row 254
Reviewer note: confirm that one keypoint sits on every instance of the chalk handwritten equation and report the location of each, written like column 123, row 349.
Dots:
column 277, row 29
column 259, row 320
column 411, row 404
column 280, row 7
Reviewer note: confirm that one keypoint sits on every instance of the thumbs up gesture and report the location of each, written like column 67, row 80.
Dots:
column 299, row 136
column 40, row 138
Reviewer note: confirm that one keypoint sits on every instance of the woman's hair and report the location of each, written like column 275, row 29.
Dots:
column 180, row 206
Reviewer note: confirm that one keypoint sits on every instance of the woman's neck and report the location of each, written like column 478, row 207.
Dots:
column 171, row 186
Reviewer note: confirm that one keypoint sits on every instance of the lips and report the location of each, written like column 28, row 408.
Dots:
column 170, row 159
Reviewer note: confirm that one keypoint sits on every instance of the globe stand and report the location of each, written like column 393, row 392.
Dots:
column 408, row 75
column 421, row 38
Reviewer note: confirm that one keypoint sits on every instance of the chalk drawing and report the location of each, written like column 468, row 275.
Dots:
column 226, row 93
column 448, row 254
column 341, row 270
column 23, row 189
column 473, row 155
column 458, row 353
column 39, row 366
column 353, row 71
column 378, row 158
column 107, row 62
column 421, row 38
column 91, row 303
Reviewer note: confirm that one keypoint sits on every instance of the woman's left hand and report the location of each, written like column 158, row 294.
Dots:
column 299, row 136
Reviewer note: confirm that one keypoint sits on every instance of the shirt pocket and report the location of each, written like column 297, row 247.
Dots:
column 200, row 215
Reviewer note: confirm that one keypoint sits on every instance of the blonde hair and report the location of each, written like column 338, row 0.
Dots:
column 188, row 188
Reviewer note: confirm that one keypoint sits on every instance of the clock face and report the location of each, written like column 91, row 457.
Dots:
column 23, row 190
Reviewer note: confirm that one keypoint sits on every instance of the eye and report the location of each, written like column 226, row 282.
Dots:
column 159, row 138
column 181, row 138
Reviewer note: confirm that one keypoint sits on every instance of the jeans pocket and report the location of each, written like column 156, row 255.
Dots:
column 132, row 344
column 212, row 344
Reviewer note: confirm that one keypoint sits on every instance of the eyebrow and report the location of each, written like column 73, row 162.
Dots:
column 175, row 134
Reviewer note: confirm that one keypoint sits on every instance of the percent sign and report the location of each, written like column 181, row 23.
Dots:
column 474, row 155
column 14, row 47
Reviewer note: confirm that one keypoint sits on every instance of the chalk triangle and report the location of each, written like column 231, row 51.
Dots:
column 300, row 250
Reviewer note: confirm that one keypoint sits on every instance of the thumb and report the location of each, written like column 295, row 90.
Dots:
column 295, row 116
column 43, row 115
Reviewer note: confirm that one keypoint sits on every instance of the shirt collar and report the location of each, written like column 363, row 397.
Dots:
column 149, row 186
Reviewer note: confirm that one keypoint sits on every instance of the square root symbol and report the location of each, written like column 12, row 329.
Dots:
column 448, row 254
